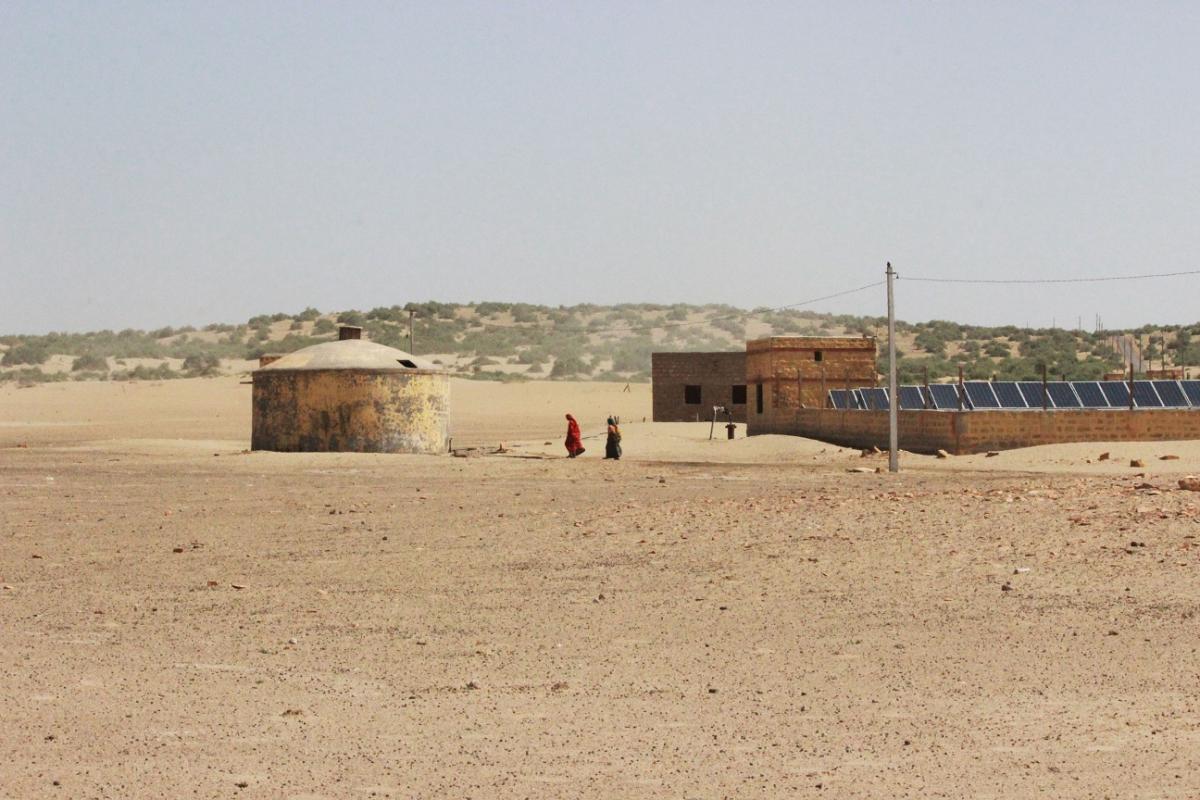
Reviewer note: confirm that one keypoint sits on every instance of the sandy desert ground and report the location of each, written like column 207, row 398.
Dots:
column 181, row 618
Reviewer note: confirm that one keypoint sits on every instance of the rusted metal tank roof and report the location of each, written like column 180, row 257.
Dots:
column 351, row 354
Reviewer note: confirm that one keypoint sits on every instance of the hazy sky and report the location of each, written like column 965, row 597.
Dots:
column 171, row 163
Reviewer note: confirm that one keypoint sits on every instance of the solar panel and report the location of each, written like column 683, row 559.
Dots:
column 911, row 398
column 1009, row 395
column 1032, row 392
column 1116, row 392
column 1090, row 394
column 944, row 395
column 877, row 399
column 1192, row 390
column 1063, row 395
column 1170, row 393
column 837, row 398
column 857, row 400
column 980, row 394
column 1144, row 395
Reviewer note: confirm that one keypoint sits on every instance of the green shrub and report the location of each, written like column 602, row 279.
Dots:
column 26, row 353
column 145, row 373
column 30, row 375
column 997, row 350
column 500, row 377
column 491, row 309
column 90, row 362
column 523, row 313
column 201, row 364
column 570, row 366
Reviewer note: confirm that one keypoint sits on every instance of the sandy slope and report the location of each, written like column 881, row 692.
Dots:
column 706, row 619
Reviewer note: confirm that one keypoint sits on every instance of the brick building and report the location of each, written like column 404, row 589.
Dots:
column 685, row 386
column 786, row 373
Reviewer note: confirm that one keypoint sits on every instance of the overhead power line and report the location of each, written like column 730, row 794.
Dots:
column 1018, row 281
column 736, row 315
column 685, row 323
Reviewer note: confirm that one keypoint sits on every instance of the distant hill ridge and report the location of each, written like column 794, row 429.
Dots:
column 519, row 341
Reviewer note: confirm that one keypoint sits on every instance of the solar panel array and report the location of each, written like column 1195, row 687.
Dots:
column 1009, row 395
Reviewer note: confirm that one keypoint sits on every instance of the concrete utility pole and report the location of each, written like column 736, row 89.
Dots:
column 893, row 391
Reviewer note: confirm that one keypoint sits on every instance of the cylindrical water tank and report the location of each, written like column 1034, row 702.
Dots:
column 351, row 395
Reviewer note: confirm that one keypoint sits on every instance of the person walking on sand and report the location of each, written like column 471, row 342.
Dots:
column 612, row 447
column 574, row 440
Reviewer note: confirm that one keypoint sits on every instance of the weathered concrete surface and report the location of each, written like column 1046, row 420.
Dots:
column 342, row 410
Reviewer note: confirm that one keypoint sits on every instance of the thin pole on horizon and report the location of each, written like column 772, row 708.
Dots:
column 411, row 314
column 893, row 393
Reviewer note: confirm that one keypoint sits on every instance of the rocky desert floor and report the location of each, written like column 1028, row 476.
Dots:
column 182, row 618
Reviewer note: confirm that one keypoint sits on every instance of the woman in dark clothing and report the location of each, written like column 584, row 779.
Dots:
column 612, row 447
column 574, row 440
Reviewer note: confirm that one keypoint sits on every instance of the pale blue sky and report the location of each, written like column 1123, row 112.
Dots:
column 170, row 163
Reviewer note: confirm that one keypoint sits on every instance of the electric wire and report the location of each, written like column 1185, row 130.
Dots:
column 1025, row 281
column 682, row 323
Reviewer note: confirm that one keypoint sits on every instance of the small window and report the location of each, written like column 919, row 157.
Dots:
column 739, row 395
column 404, row 362
column 758, row 404
column 818, row 355
column 691, row 395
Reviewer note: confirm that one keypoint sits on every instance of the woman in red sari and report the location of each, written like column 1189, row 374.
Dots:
column 574, row 440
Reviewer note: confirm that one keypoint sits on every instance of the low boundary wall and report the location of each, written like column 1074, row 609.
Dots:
column 964, row 432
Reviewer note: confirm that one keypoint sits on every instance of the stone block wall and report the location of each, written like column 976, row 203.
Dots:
column 792, row 372
column 963, row 432
column 716, row 375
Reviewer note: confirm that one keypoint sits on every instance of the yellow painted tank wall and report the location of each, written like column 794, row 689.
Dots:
column 356, row 411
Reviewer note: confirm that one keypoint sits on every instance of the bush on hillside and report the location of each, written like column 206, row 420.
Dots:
column 89, row 362
column 26, row 353
column 145, row 373
column 201, row 364
column 570, row 366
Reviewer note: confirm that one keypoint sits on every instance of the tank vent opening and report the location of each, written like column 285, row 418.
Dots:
column 349, row 332
column 404, row 362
